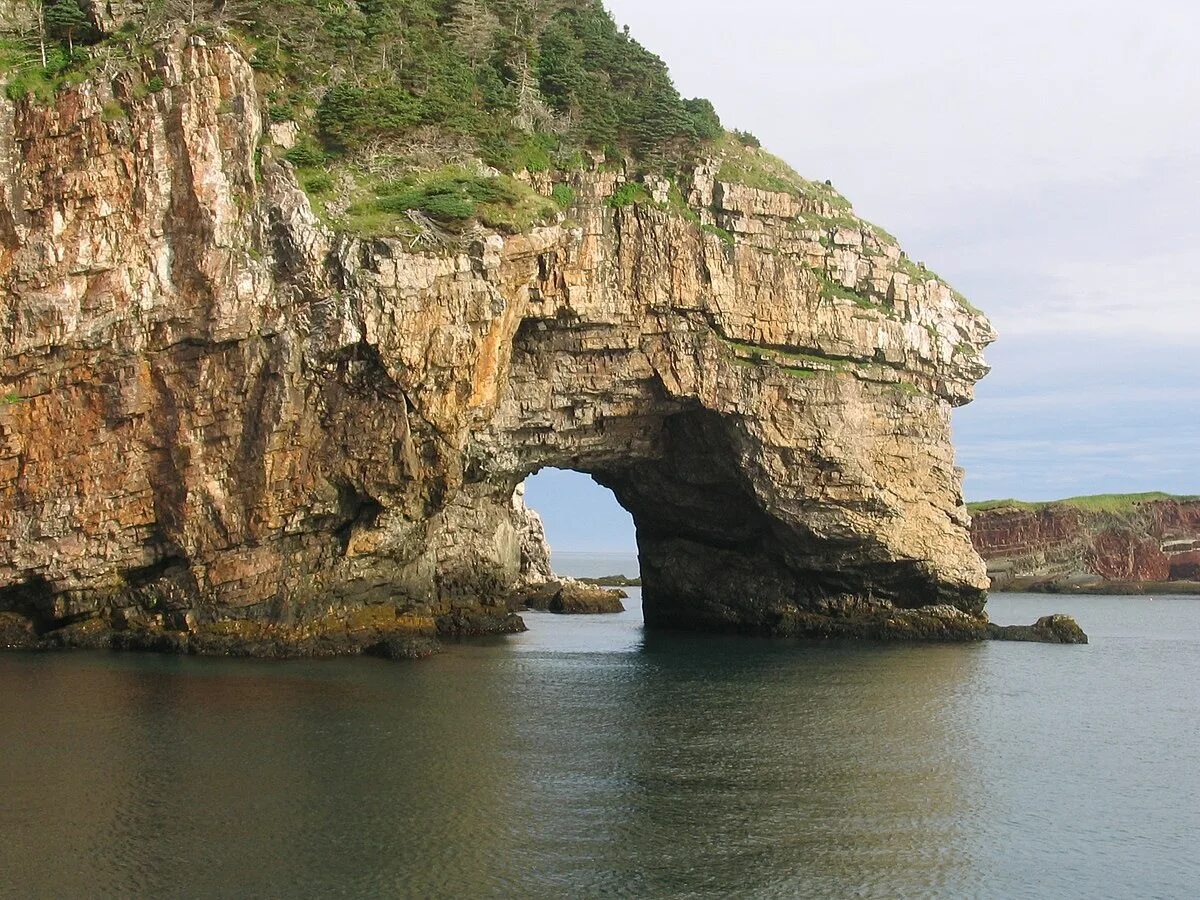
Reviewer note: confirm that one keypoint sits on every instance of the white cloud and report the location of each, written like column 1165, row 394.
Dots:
column 1153, row 294
column 1044, row 155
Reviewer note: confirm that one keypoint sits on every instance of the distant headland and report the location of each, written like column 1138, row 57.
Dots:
column 1102, row 544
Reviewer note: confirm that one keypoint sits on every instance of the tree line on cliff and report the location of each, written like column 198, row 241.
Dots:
column 524, row 84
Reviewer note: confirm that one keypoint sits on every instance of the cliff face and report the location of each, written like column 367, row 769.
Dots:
column 223, row 420
column 1065, row 546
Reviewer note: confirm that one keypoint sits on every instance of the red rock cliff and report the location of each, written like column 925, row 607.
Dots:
column 1151, row 539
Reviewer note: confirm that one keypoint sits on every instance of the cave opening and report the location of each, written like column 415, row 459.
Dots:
column 678, row 514
column 589, row 533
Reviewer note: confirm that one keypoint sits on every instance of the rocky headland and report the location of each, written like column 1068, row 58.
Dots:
column 1131, row 544
column 240, row 416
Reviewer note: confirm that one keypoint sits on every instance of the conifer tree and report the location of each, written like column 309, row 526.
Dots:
column 65, row 19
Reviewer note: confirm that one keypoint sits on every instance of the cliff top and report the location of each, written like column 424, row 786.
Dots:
column 426, row 119
column 1097, row 503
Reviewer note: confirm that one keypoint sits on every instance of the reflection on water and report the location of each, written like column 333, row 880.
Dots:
column 589, row 758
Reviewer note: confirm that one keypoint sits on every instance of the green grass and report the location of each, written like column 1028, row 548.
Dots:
column 25, row 75
column 112, row 111
column 1116, row 504
column 756, row 168
column 10, row 399
column 315, row 182
column 909, row 389
column 990, row 505
column 452, row 197
column 563, row 195
column 832, row 290
column 755, row 354
column 630, row 194
column 725, row 236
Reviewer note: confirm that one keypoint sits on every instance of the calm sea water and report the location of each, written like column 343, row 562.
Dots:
column 589, row 758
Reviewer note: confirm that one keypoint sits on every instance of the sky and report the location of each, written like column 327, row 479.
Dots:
column 1043, row 157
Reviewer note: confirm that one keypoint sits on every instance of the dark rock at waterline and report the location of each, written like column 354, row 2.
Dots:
column 17, row 632
column 380, row 630
column 1056, row 629
column 573, row 598
column 404, row 648
column 479, row 622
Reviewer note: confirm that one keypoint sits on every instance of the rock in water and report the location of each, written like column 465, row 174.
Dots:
column 1056, row 629
column 226, row 428
column 572, row 598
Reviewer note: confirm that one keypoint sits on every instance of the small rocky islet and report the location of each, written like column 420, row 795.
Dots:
column 279, row 346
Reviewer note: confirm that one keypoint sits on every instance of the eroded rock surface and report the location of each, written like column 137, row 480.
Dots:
column 220, row 416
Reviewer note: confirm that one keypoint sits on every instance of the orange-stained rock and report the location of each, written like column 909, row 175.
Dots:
column 219, row 411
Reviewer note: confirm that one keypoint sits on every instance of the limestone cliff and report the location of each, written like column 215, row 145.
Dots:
column 1108, row 544
column 224, row 421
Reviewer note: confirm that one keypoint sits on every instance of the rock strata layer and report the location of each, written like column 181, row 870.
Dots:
column 227, row 428
column 1132, row 546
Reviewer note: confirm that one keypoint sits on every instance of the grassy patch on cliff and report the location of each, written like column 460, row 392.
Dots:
column 756, row 168
column 447, row 200
column 28, row 78
column 1114, row 504
column 794, row 362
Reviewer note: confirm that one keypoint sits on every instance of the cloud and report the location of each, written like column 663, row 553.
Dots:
column 1043, row 157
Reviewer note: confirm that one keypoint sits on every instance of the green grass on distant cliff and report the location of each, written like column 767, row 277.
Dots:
column 1098, row 503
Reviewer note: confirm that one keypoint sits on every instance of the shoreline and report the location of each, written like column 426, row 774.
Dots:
column 1104, row 589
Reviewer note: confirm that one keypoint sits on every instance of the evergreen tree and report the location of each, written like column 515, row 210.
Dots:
column 66, row 20
column 525, row 81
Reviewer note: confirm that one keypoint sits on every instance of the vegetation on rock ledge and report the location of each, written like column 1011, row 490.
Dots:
column 1096, row 503
column 421, row 119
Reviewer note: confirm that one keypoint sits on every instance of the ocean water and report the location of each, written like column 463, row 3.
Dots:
column 588, row 758
column 595, row 565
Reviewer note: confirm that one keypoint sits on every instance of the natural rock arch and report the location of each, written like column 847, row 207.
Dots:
column 231, row 423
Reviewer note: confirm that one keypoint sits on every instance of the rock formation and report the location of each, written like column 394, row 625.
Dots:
column 228, row 428
column 1092, row 545
column 569, row 597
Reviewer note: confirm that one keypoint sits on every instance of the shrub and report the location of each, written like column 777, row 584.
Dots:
column 112, row 111
column 317, row 183
column 629, row 194
column 448, row 207
column 281, row 112
column 348, row 116
column 563, row 195
column 306, row 155
column 747, row 139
